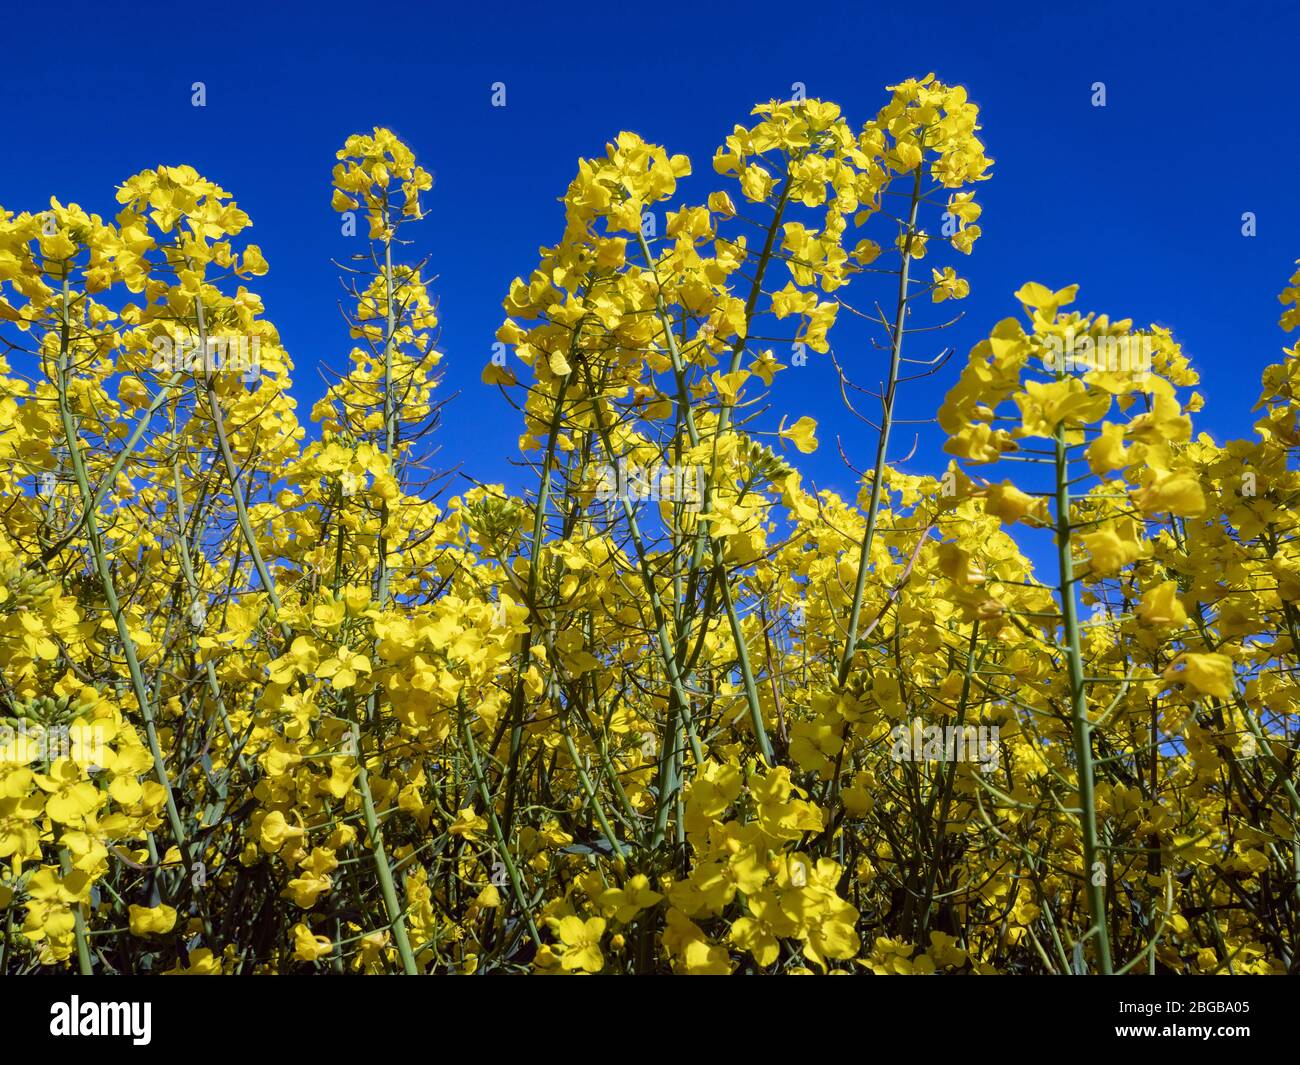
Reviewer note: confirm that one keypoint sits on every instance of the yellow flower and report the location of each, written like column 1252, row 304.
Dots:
column 1012, row 505
column 765, row 367
column 1177, row 492
column 1160, row 606
column 309, row 947
column 344, row 667
column 306, row 890
column 275, row 832
column 468, row 824
column 581, row 941
column 1106, row 452
column 201, row 962
column 801, row 434
column 625, row 903
column 760, row 932
column 153, row 921
column 1203, row 674
column 948, row 286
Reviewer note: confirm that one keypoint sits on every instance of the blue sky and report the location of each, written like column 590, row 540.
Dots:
column 1139, row 202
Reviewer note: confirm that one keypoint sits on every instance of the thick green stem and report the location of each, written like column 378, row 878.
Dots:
column 1094, row 878
column 79, row 923
column 396, row 916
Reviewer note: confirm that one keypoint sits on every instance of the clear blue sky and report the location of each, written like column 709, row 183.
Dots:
column 1139, row 202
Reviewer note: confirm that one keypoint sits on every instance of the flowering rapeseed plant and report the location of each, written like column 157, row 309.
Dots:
column 341, row 727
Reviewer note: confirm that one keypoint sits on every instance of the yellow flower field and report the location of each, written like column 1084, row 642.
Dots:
column 280, row 696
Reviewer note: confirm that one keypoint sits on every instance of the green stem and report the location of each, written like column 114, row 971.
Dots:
column 79, row 922
column 396, row 917
column 512, row 870
column 882, row 444
column 1096, row 892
